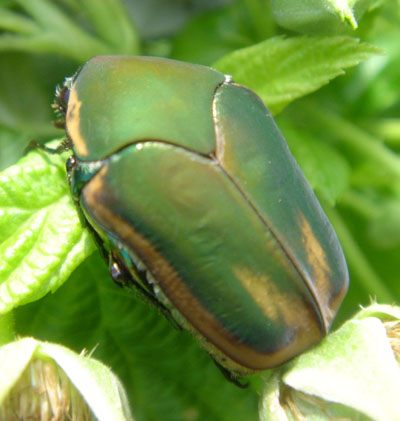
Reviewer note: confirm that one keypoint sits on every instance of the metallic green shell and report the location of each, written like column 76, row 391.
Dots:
column 197, row 182
column 120, row 100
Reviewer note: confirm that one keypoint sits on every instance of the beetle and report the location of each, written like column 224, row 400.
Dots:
column 195, row 200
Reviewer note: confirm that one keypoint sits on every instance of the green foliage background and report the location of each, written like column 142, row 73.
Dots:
column 344, row 131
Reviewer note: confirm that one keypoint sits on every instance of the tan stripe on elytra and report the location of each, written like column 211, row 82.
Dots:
column 73, row 123
column 316, row 258
column 277, row 305
column 99, row 200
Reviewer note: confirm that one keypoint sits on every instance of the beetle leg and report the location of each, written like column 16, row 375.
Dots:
column 229, row 376
column 129, row 275
column 65, row 145
column 96, row 237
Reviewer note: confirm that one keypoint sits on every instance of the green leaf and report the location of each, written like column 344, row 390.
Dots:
column 343, row 376
column 56, row 33
column 374, row 89
column 320, row 16
column 384, row 312
column 14, row 360
column 52, row 377
column 26, row 96
column 113, row 25
column 51, row 30
column 208, row 37
column 325, row 168
column 281, row 70
column 41, row 238
column 360, row 364
column 211, row 35
column 11, row 145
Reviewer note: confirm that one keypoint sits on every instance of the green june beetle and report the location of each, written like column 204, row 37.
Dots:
column 194, row 198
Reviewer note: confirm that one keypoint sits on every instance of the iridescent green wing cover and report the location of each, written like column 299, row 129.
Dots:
column 210, row 252
column 117, row 100
column 253, row 152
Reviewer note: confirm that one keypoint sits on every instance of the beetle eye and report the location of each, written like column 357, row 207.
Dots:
column 64, row 98
column 61, row 101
